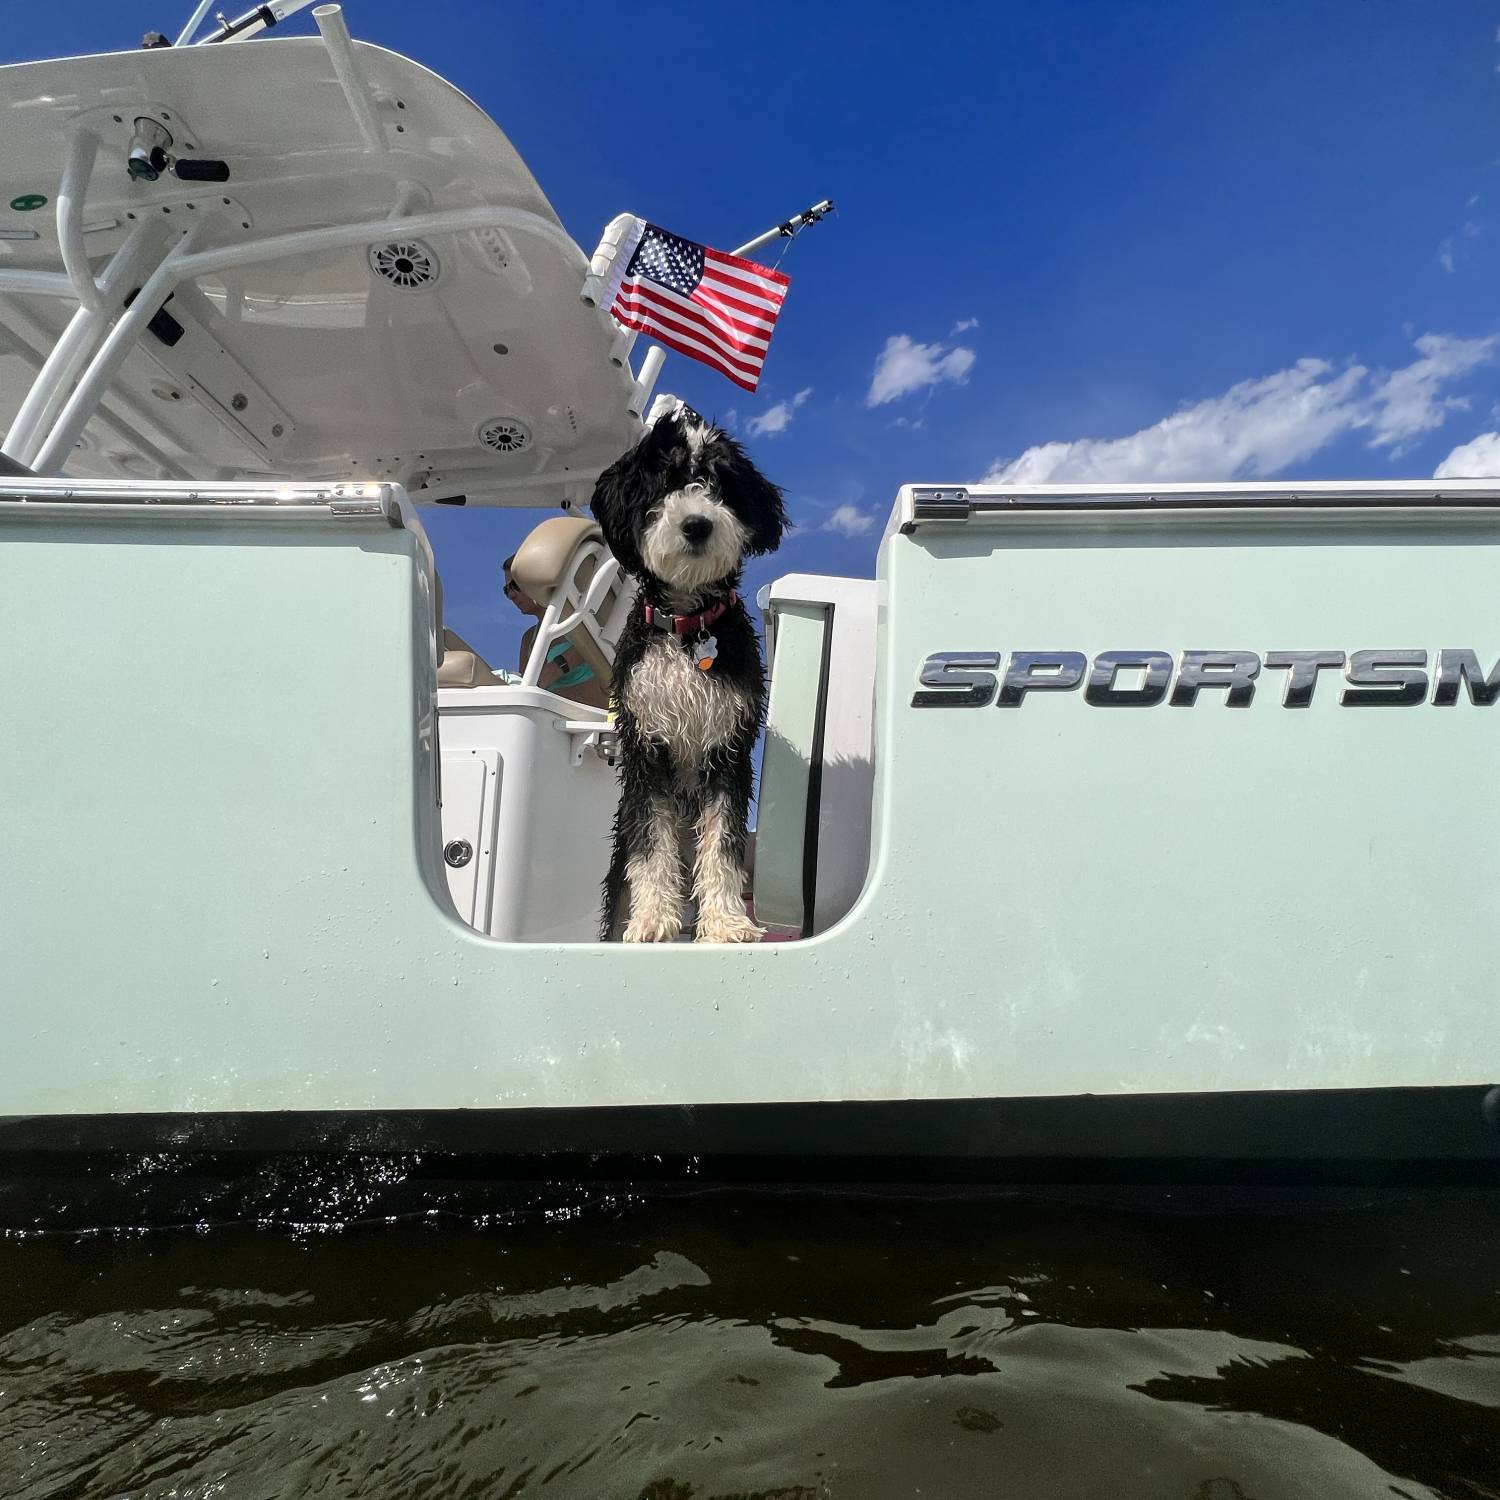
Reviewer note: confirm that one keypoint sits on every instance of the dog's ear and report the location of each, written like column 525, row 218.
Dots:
column 757, row 502
column 615, row 512
column 625, row 490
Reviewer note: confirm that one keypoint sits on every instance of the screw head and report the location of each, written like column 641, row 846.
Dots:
column 458, row 852
column 239, row 401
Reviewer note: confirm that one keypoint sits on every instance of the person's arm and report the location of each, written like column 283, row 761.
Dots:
column 527, row 641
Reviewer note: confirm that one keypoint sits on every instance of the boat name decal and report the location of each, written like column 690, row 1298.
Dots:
column 1142, row 679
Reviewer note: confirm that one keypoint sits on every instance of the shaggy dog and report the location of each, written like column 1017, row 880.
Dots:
column 681, row 511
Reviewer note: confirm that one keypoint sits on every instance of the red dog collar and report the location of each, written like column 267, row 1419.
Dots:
column 689, row 624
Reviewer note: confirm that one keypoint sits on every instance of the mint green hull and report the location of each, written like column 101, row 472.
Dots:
column 221, row 886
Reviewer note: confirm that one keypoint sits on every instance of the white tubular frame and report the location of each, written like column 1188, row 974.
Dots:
column 337, row 236
column 645, row 381
column 346, row 68
column 37, row 283
column 80, row 346
column 79, row 407
column 191, row 29
column 553, row 627
column 83, row 146
column 79, row 340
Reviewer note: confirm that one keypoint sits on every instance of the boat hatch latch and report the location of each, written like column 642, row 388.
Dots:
column 147, row 158
column 946, row 503
column 150, row 155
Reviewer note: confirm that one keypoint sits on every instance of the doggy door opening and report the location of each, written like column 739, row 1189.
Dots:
column 529, row 773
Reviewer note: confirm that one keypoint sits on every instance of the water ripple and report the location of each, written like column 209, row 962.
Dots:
column 767, row 1345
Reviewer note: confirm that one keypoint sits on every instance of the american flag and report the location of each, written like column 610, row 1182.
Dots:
column 711, row 306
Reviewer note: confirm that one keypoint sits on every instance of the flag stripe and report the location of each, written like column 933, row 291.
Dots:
column 694, row 328
column 748, row 267
column 735, row 329
column 748, row 360
column 759, row 290
column 652, row 323
column 694, row 352
column 734, row 307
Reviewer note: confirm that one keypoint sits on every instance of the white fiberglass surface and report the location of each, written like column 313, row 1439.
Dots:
column 394, row 360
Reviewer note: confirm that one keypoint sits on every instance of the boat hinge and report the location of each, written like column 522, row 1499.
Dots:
column 943, row 503
column 355, row 507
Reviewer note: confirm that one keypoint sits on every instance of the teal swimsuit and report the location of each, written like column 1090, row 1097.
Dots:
column 580, row 674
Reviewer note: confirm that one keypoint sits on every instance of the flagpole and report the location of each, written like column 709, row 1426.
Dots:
column 787, row 230
column 655, row 356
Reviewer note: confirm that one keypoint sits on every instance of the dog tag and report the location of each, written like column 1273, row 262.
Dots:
column 705, row 652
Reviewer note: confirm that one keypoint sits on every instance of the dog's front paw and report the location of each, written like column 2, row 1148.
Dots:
column 727, row 927
column 653, row 927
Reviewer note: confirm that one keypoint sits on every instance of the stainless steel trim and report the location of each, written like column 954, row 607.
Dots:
column 936, row 503
column 340, row 501
column 1358, row 495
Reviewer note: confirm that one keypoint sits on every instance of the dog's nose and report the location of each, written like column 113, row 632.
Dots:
column 697, row 529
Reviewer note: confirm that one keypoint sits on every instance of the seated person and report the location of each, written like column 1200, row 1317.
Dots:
column 564, row 672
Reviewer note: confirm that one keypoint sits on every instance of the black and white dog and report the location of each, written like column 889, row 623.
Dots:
column 681, row 511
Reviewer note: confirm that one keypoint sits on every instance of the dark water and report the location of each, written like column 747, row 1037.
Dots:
column 1181, row 1347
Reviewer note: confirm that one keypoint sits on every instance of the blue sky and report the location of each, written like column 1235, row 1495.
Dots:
column 1074, row 241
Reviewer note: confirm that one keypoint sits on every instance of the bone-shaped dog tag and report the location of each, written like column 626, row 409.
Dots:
column 705, row 652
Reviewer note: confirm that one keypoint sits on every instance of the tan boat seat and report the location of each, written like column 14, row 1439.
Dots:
column 558, row 562
column 462, row 666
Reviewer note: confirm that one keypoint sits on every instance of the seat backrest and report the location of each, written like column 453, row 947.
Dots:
column 461, row 665
column 558, row 565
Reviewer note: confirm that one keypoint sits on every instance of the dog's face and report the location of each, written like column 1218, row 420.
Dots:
column 686, row 506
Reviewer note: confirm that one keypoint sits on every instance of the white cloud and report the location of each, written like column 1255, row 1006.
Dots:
column 963, row 326
column 1262, row 426
column 1479, row 458
column 777, row 418
column 1408, row 401
column 1452, row 249
column 905, row 366
column 849, row 520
